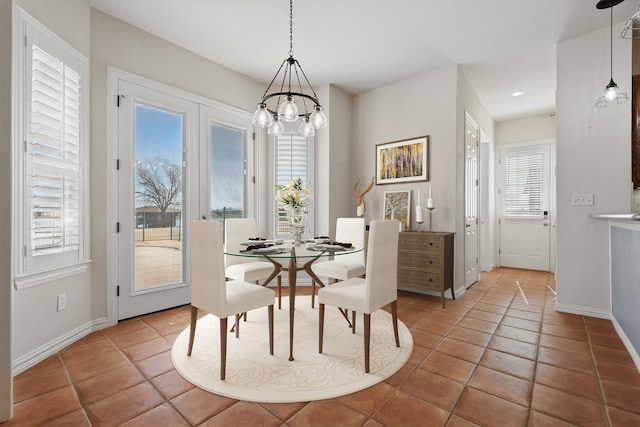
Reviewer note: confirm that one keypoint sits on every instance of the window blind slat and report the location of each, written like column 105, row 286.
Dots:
column 55, row 155
column 523, row 185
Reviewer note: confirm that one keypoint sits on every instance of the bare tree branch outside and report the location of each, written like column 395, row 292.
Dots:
column 159, row 183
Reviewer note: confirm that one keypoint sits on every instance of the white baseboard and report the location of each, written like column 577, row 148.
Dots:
column 583, row 311
column 39, row 354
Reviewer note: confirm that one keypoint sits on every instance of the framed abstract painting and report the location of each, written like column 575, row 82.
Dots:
column 403, row 161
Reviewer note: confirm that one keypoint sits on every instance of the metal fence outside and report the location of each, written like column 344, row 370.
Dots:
column 158, row 233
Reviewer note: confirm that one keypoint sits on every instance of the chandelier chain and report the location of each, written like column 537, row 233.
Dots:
column 291, row 28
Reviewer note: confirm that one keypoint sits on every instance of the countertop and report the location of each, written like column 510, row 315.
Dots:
column 617, row 217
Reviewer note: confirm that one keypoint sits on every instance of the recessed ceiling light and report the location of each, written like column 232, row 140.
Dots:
column 517, row 93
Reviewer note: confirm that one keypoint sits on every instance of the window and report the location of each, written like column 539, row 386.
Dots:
column 293, row 160
column 52, row 163
column 523, row 184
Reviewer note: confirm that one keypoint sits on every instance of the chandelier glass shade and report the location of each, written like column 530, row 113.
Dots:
column 278, row 103
column 612, row 94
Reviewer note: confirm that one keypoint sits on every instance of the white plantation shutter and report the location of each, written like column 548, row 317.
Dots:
column 53, row 136
column 292, row 160
column 54, row 148
column 523, row 185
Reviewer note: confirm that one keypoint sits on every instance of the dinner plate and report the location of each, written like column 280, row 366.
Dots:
column 264, row 250
column 332, row 247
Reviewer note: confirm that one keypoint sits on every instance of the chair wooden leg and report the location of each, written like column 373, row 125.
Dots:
column 271, row 329
column 279, row 292
column 223, row 348
column 313, row 293
column 367, row 340
column 394, row 316
column 353, row 321
column 321, row 323
column 192, row 330
column 237, row 325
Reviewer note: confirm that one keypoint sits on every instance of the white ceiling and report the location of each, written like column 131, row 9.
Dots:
column 502, row 46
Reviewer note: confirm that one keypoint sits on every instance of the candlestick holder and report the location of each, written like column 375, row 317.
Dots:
column 430, row 218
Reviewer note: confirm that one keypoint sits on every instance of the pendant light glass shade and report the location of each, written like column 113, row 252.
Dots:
column 262, row 117
column 612, row 94
column 276, row 128
column 288, row 110
column 306, row 129
column 318, row 119
column 631, row 29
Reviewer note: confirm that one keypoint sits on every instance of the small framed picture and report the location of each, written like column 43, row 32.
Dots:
column 403, row 161
column 396, row 206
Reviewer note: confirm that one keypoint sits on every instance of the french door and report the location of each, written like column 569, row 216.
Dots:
column 158, row 194
column 178, row 160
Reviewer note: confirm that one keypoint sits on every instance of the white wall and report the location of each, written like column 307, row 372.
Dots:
column 542, row 126
column 431, row 104
column 36, row 306
column 593, row 156
column 5, row 210
column 333, row 196
column 423, row 105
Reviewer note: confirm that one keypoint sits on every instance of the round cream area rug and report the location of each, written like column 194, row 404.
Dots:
column 254, row 375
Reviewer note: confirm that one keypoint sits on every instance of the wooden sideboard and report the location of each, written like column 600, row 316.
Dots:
column 425, row 262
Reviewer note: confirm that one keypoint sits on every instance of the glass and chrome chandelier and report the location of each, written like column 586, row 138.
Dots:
column 280, row 105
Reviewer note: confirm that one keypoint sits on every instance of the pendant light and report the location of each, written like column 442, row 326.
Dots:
column 283, row 99
column 631, row 29
column 612, row 94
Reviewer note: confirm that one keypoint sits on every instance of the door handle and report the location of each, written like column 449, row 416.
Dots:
column 546, row 224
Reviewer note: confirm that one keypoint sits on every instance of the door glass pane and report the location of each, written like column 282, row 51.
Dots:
column 227, row 172
column 158, row 197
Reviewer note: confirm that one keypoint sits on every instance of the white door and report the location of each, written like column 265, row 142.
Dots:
column 525, row 188
column 158, row 194
column 471, row 202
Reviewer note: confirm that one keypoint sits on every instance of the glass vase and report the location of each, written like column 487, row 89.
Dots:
column 297, row 223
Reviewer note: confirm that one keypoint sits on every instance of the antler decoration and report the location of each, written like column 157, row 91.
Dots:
column 361, row 207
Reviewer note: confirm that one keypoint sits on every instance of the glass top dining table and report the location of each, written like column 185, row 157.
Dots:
column 288, row 257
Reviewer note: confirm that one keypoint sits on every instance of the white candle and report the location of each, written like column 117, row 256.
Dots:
column 419, row 218
column 430, row 204
column 418, row 197
column 393, row 214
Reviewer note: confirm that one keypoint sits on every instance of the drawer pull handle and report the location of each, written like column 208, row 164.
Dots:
column 431, row 280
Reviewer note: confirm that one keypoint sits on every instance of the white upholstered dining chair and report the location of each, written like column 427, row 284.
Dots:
column 343, row 267
column 237, row 231
column 212, row 293
column 377, row 289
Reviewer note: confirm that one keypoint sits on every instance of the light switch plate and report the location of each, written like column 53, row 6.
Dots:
column 582, row 199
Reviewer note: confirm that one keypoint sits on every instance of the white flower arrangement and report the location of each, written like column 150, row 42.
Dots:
column 293, row 195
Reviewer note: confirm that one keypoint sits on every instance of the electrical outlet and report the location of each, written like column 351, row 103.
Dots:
column 62, row 302
column 582, row 199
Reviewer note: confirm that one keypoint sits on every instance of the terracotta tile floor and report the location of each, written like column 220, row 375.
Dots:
column 489, row 359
